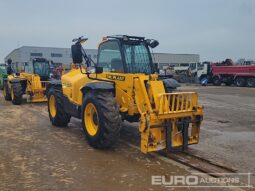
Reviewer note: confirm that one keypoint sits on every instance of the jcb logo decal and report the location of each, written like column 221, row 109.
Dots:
column 114, row 77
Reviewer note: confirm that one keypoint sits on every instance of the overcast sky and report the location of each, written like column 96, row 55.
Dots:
column 215, row 29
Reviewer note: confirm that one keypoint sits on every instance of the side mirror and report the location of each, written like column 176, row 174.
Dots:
column 76, row 53
column 9, row 70
column 153, row 43
column 98, row 70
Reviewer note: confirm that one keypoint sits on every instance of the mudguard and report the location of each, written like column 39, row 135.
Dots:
column 53, row 83
column 170, row 84
column 103, row 86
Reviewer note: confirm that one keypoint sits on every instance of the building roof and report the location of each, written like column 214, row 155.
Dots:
column 39, row 47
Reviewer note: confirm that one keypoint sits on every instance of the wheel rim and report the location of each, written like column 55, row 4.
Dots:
column 12, row 93
column 91, row 119
column 52, row 106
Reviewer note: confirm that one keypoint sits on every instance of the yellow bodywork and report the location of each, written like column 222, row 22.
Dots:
column 145, row 95
column 35, row 88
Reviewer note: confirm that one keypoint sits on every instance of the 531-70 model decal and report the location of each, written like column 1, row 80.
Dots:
column 115, row 77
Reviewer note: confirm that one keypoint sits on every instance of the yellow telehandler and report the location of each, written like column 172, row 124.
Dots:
column 124, row 85
column 31, row 82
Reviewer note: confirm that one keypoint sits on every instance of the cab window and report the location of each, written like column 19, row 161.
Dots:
column 137, row 57
column 110, row 57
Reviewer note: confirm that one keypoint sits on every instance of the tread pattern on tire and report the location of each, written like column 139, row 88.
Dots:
column 18, row 92
column 62, row 118
column 216, row 81
column 109, row 118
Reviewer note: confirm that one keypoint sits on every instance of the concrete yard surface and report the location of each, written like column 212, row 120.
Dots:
column 34, row 155
column 228, row 128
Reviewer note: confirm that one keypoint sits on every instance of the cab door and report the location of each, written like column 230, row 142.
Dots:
column 110, row 57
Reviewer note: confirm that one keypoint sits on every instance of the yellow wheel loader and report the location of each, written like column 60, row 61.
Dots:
column 31, row 82
column 124, row 85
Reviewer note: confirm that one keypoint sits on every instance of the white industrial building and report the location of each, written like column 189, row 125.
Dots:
column 180, row 60
column 63, row 56
column 54, row 55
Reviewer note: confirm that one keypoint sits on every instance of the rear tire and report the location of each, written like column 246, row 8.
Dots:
column 228, row 83
column 6, row 91
column 216, row 81
column 101, row 120
column 251, row 82
column 240, row 82
column 57, row 114
column 16, row 93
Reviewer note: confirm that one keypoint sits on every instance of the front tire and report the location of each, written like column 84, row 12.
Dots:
column 101, row 120
column 57, row 114
column 16, row 93
column 216, row 81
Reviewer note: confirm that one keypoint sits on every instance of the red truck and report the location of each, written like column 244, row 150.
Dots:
column 233, row 74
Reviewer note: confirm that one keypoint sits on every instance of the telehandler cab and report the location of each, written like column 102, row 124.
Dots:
column 124, row 85
column 31, row 82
